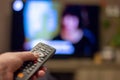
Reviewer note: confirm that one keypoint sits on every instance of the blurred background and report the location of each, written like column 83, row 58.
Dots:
column 92, row 52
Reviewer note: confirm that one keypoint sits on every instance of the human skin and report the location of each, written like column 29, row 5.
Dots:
column 11, row 61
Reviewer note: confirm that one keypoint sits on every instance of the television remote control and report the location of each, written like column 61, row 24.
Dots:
column 30, row 67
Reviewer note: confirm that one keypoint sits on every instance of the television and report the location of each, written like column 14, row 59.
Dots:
column 73, row 29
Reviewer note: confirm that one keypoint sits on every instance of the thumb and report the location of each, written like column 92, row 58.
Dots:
column 26, row 56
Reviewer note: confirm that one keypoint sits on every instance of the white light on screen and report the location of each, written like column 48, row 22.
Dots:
column 18, row 5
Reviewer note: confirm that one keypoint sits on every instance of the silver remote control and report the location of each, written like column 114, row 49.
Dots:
column 30, row 67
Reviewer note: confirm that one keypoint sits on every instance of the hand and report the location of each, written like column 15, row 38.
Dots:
column 11, row 61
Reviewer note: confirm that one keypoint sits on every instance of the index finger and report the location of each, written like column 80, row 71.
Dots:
column 26, row 56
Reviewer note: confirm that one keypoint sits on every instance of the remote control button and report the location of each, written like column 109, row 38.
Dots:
column 42, row 59
column 37, row 51
column 29, row 65
column 26, row 67
column 35, row 64
column 33, row 67
column 45, row 55
column 27, row 71
column 47, row 52
column 39, row 60
column 42, row 55
column 30, row 69
column 24, row 70
column 20, row 75
column 42, row 49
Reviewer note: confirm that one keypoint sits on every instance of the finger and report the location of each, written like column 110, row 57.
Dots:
column 34, row 78
column 43, row 68
column 26, row 56
column 40, row 73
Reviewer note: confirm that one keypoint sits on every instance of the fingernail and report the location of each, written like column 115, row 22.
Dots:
column 35, row 54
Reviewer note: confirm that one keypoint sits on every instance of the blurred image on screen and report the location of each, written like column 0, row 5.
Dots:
column 72, row 29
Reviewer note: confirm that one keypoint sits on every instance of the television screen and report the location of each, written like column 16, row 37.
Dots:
column 73, row 29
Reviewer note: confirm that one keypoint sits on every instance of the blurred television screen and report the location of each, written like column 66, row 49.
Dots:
column 73, row 29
